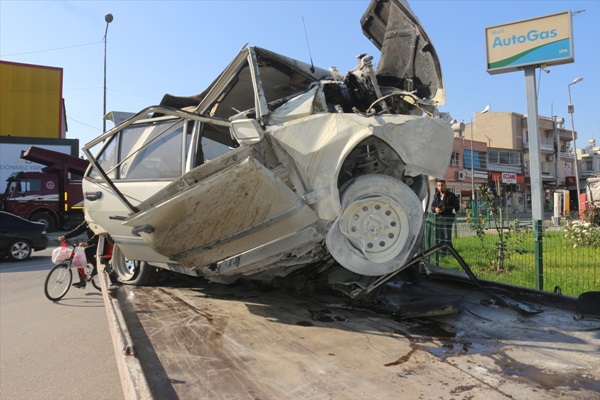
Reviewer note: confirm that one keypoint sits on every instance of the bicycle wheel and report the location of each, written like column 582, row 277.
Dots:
column 96, row 281
column 58, row 281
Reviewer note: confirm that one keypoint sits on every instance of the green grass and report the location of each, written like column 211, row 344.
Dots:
column 574, row 270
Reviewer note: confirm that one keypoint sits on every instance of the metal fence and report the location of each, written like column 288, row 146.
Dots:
column 568, row 260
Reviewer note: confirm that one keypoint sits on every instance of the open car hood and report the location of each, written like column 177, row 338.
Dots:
column 408, row 59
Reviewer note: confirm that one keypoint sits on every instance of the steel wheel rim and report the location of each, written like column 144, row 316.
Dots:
column 376, row 226
column 379, row 226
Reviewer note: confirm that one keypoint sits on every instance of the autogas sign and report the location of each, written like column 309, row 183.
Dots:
column 545, row 40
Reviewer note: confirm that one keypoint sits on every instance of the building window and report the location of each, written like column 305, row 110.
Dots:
column 568, row 169
column 515, row 158
column 504, row 157
column 479, row 159
column 454, row 159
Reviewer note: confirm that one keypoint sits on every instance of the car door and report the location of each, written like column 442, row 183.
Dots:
column 234, row 204
column 138, row 161
column 5, row 231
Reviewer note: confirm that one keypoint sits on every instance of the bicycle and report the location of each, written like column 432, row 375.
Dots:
column 58, row 281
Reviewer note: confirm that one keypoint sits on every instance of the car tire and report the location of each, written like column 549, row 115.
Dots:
column 46, row 218
column 379, row 226
column 132, row 272
column 19, row 250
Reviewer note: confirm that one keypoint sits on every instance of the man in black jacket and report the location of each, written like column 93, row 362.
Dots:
column 90, row 248
column 445, row 205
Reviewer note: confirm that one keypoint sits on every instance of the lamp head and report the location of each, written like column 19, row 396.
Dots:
column 576, row 80
column 108, row 18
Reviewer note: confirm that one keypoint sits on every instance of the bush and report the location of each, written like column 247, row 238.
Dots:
column 583, row 233
column 509, row 238
column 592, row 216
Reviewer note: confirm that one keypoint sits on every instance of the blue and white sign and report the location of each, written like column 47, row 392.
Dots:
column 540, row 41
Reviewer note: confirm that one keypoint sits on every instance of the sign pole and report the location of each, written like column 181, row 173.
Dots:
column 545, row 41
column 535, row 173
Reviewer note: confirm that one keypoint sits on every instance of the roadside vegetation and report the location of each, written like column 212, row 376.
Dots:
column 504, row 251
column 568, row 269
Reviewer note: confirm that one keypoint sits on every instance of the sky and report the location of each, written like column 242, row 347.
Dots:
column 179, row 47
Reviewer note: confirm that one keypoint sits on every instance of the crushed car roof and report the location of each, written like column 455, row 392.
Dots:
column 408, row 61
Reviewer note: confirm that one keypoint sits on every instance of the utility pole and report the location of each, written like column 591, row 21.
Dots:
column 571, row 110
column 108, row 18
column 556, row 150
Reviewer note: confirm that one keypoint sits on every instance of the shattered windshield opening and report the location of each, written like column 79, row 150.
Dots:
column 277, row 79
column 239, row 96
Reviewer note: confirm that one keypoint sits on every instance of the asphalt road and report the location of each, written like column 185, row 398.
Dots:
column 49, row 350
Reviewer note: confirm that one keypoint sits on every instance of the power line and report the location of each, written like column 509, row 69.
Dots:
column 110, row 90
column 83, row 123
column 44, row 51
column 132, row 94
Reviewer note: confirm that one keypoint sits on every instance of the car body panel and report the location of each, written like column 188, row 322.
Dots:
column 593, row 191
column 109, row 208
column 13, row 227
column 237, row 209
column 406, row 51
column 320, row 143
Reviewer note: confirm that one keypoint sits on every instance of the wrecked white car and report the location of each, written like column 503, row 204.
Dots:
column 279, row 165
column 593, row 191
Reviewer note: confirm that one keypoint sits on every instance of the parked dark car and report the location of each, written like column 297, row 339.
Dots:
column 20, row 237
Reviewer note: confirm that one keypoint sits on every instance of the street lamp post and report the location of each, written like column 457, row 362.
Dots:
column 486, row 109
column 108, row 18
column 571, row 110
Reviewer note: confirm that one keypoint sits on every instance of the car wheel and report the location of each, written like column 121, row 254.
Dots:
column 46, row 218
column 132, row 272
column 379, row 226
column 19, row 250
